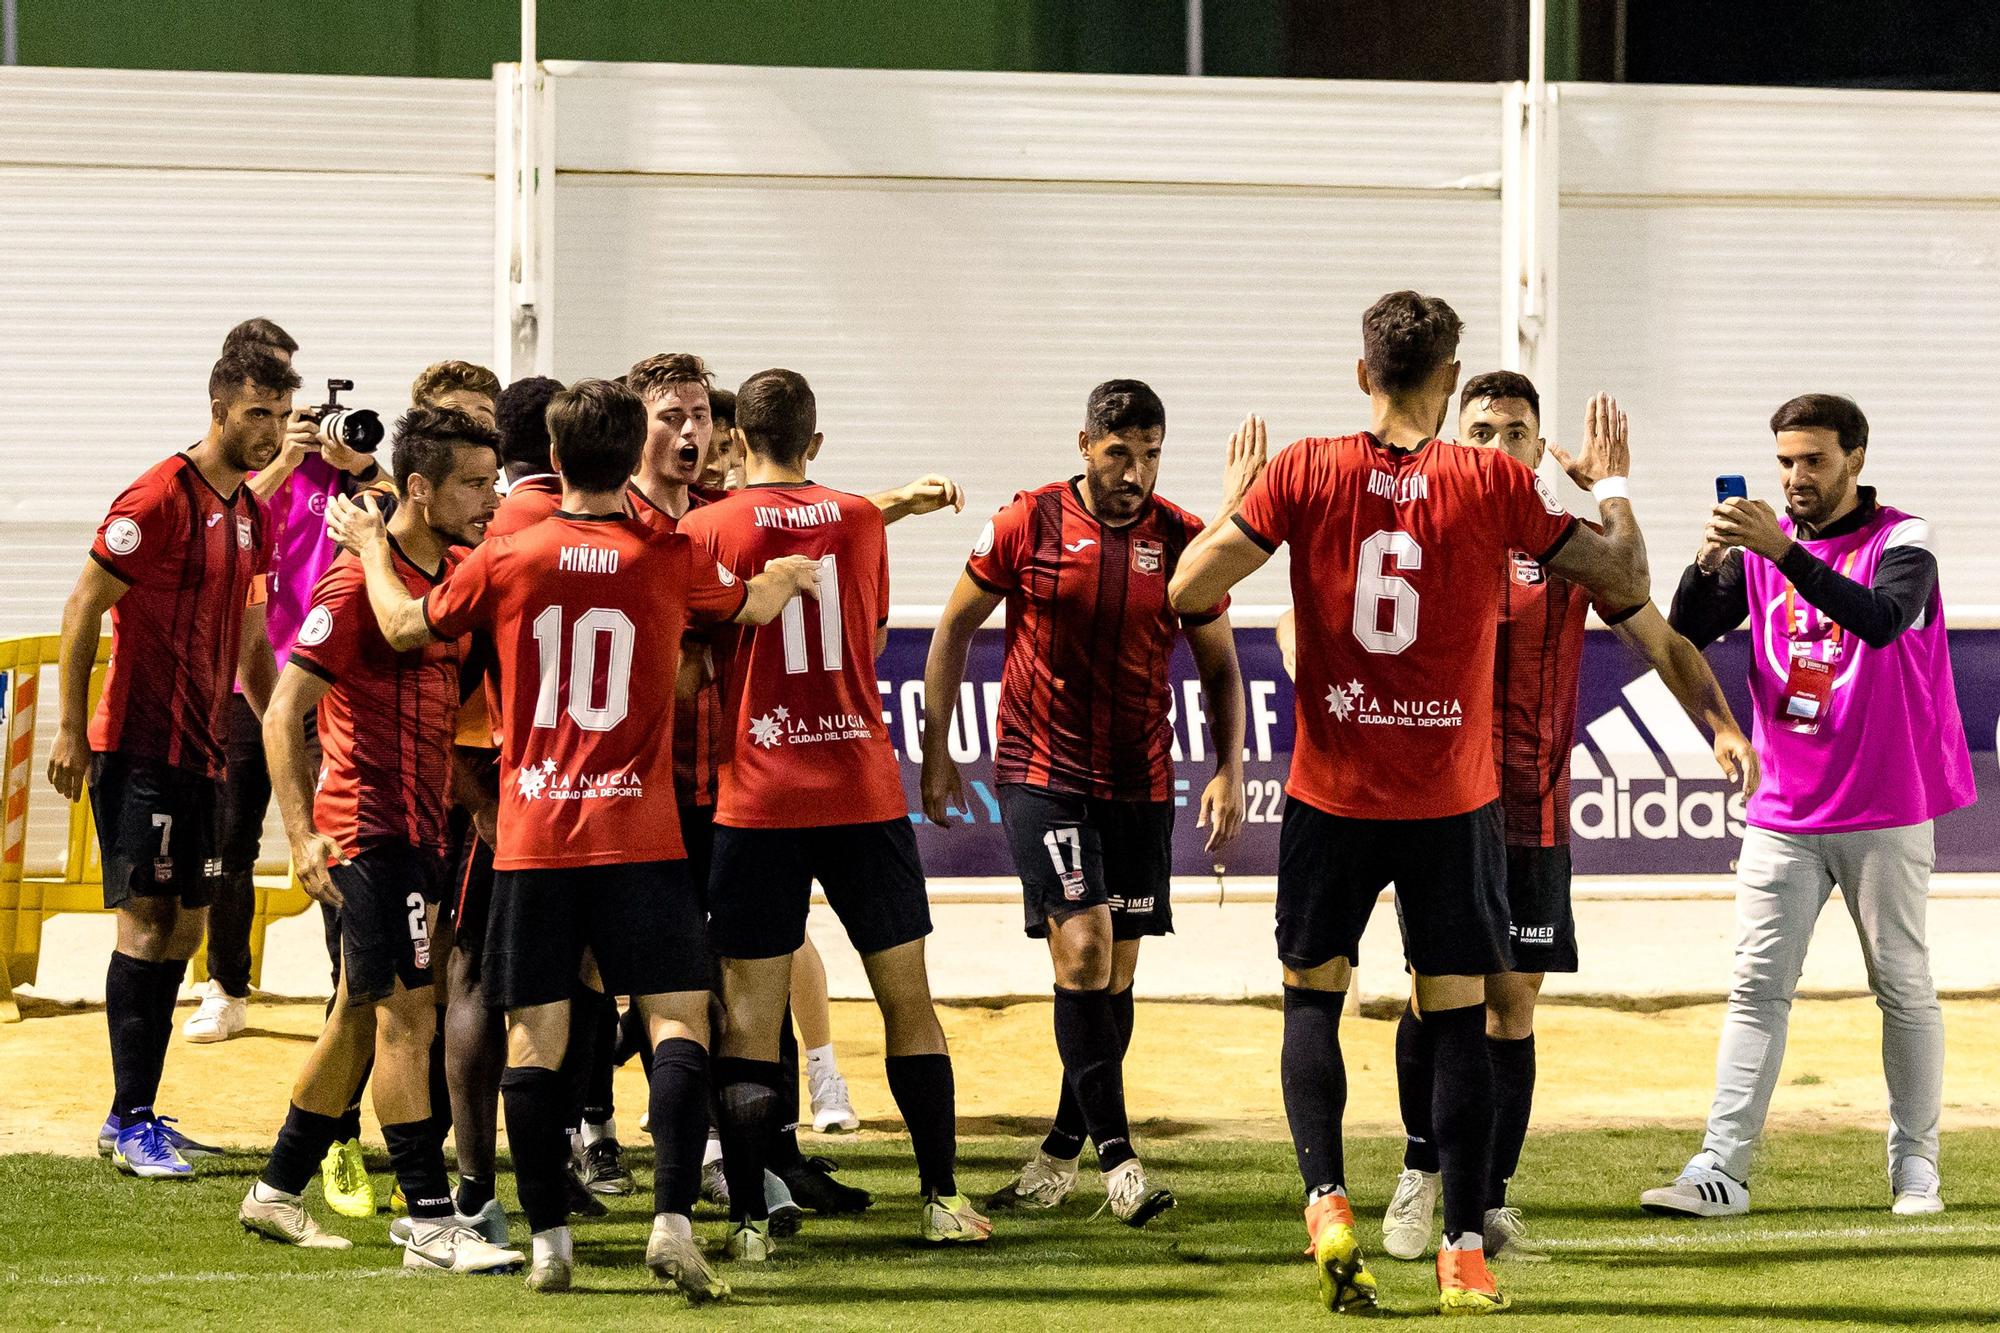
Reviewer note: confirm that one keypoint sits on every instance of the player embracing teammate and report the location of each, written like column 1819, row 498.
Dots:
column 1401, row 545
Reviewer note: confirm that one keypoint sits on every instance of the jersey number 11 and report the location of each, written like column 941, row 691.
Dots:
column 794, row 622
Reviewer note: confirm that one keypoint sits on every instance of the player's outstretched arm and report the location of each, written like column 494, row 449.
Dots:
column 1611, row 564
column 1222, row 554
column 944, row 673
column 360, row 529
column 927, row 494
column 1214, row 648
column 97, row 591
column 783, row 579
column 293, row 765
column 1686, row 673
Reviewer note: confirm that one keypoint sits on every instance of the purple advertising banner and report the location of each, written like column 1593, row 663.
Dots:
column 1645, row 799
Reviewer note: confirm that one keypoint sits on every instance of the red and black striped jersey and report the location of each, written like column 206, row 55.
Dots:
column 189, row 554
column 1084, row 696
column 386, row 726
column 1537, row 663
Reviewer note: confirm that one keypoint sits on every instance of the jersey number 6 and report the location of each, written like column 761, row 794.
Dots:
column 1374, row 585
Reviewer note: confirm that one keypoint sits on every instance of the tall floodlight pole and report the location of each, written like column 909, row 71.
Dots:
column 1194, row 37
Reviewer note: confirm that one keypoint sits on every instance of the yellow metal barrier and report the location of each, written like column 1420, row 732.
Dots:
column 32, row 893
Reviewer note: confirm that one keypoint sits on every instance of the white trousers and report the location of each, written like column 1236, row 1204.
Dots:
column 1783, row 880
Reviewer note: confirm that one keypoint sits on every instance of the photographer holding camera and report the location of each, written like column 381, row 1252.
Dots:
column 1863, row 747
column 324, row 454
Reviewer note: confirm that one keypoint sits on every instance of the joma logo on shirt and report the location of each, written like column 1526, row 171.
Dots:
column 1399, row 490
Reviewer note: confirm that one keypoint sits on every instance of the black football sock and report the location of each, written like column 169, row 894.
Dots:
column 746, row 1093
column 1122, row 1013
column 168, row 974
column 128, row 992
column 578, row 1052
column 785, row 1155
column 597, row 1104
column 1315, row 1083
column 1513, row 1103
column 295, row 1157
column 677, row 1117
column 417, row 1157
column 536, row 1102
column 1067, row 1131
column 1087, row 1040
column 1462, row 1113
column 440, row 1087
column 1415, row 1076
column 474, row 1193
column 928, row 1098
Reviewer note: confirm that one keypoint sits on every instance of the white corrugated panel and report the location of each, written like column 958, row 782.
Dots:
column 958, row 325
column 766, row 121
column 118, row 283
column 1705, row 313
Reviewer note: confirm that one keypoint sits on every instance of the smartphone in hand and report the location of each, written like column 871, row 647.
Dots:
column 1730, row 487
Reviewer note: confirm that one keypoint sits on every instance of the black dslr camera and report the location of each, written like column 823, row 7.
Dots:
column 356, row 427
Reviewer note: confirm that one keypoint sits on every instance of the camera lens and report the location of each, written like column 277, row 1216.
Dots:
column 356, row 427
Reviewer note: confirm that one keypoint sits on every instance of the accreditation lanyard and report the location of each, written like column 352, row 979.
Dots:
column 1809, row 683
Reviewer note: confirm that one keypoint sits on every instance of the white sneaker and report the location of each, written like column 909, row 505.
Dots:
column 1130, row 1198
column 1043, row 1183
column 1915, row 1183
column 1699, row 1191
column 1504, row 1231
column 219, row 1017
column 833, row 1110
column 452, row 1247
column 751, row 1243
column 281, row 1216
column 675, row 1258
column 1412, row 1215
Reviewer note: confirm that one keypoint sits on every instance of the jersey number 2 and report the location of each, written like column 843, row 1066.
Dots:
column 598, row 626
column 794, row 622
column 1374, row 585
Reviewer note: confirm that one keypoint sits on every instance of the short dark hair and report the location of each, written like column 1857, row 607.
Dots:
column 261, row 331
column 777, row 414
column 597, row 432
column 656, row 374
column 1824, row 411
column 1119, row 405
column 254, row 364
column 722, row 405
column 524, row 422
column 427, row 439
column 1501, row 384
column 1405, row 337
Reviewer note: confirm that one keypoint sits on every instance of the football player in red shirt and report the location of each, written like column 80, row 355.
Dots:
column 1083, row 757
column 365, row 812
column 810, row 791
column 173, row 563
column 1401, row 546
column 680, row 441
column 586, row 609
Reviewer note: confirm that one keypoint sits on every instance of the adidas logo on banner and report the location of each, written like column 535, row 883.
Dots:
column 1686, row 797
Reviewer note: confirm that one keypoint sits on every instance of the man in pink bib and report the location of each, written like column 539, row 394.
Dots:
column 1862, row 745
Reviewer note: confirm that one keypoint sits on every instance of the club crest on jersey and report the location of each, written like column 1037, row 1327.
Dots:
column 1147, row 556
column 245, row 533
column 1526, row 570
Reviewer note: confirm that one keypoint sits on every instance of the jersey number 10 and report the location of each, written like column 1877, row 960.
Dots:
column 830, row 637
column 600, row 627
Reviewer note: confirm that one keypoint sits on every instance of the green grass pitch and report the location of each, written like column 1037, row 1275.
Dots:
column 83, row 1247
